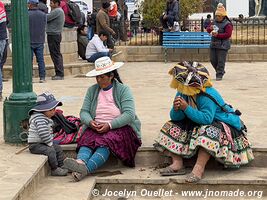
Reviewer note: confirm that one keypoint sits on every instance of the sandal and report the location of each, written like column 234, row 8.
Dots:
column 168, row 171
column 77, row 176
column 192, row 178
column 158, row 147
column 72, row 165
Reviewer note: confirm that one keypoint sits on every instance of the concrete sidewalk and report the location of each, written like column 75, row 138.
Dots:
column 243, row 87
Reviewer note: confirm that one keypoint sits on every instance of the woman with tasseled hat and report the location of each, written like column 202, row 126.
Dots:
column 201, row 123
column 221, row 32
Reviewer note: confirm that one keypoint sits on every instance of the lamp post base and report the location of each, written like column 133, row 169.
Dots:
column 16, row 117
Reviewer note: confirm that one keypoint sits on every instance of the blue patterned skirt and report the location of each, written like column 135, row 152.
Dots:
column 225, row 143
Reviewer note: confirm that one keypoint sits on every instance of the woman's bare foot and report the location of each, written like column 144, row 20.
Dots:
column 175, row 166
column 198, row 171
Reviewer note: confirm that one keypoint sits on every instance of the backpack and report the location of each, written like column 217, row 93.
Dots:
column 70, row 124
column 74, row 12
column 67, row 129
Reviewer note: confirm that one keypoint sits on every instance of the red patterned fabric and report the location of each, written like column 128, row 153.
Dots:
column 61, row 137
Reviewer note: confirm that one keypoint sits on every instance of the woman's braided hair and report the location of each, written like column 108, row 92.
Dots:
column 115, row 74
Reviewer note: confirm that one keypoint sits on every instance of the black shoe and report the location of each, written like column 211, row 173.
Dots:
column 42, row 80
column 219, row 78
column 57, row 78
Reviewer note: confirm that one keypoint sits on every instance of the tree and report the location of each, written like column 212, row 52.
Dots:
column 152, row 9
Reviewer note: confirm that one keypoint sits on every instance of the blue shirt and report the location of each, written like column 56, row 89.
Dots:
column 207, row 111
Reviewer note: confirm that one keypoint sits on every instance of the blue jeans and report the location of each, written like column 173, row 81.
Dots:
column 90, row 32
column 2, row 49
column 93, row 160
column 97, row 55
column 38, row 50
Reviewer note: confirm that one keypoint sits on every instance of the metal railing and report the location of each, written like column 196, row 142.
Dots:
column 246, row 31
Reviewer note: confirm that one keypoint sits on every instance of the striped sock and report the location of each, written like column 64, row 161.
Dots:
column 84, row 154
column 99, row 157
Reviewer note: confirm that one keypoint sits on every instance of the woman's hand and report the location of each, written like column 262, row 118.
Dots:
column 179, row 103
column 94, row 125
column 176, row 104
column 183, row 103
column 103, row 128
column 214, row 34
column 165, row 16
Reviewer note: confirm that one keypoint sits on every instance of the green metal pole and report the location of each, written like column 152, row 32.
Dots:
column 22, row 99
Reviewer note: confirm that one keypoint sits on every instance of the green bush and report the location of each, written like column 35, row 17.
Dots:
column 152, row 9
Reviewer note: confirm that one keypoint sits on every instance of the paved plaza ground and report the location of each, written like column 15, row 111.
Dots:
column 243, row 87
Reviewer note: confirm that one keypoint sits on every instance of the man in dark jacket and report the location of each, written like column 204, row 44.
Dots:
column 103, row 23
column 134, row 22
column 37, row 23
column 82, row 40
column 42, row 6
column 171, row 14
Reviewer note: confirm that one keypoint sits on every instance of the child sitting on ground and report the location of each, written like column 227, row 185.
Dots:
column 40, row 136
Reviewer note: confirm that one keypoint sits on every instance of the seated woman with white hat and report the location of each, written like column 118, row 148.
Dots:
column 110, row 122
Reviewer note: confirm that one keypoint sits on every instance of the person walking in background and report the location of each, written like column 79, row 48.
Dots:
column 221, row 32
column 91, row 23
column 37, row 23
column 55, row 23
column 134, row 22
column 125, row 11
column 82, row 40
column 96, row 48
column 207, row 21
column 3, row 37
column 4, row 57
column 113, row 12
column 114, row 17
column 103, row 23
column 171, row 15
column 42, row 6
column 69, row 22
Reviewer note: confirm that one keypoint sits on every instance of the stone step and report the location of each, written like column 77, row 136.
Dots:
column 75, row 68
column 21, row 174
column 67, row 58
column 146, row 183
column 63, row 188
column 144, row 176
column 148, row 156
